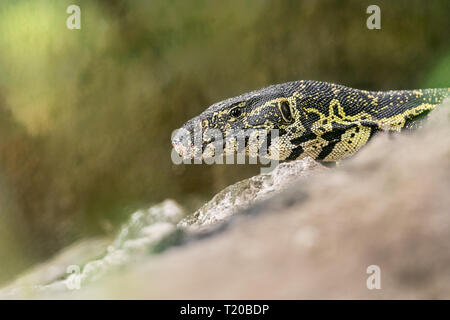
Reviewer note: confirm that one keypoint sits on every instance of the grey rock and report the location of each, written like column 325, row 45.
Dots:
column 244, row 194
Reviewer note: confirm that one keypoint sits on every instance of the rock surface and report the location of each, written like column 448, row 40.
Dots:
column 92, row 259
column 245, row 193
column 53, row 271
column 308, row 237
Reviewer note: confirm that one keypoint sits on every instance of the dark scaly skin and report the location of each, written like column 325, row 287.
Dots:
column 325, row 121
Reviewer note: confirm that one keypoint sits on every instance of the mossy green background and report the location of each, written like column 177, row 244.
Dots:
column 86, row 115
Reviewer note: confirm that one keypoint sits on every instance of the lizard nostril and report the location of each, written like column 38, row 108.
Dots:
column 181, row 137
column 177, row 138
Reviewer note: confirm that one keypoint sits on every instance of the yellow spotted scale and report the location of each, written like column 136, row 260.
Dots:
column 325, row 121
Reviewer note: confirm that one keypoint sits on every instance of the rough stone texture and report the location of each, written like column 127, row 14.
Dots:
column 81, row 252
column 245, row 193
column 145, row 231
column 388, row 206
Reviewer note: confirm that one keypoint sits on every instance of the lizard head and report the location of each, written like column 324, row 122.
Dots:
column 261, row 112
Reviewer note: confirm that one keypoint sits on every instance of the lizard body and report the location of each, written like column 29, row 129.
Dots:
column 325, row 121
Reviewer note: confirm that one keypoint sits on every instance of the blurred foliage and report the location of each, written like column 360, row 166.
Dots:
column 86, row 115
column 439, row 77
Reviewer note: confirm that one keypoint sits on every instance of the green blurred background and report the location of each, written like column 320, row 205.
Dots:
column 86, row 115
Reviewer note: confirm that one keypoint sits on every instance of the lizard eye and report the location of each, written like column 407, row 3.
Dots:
column 286, row 111
column 236, row 112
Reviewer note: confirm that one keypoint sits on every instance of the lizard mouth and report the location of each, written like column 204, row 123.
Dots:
column 212, row 147
column 186, row 150
column 189, row 146
column 181, row 149
column 207, row 149
column 181, row 142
